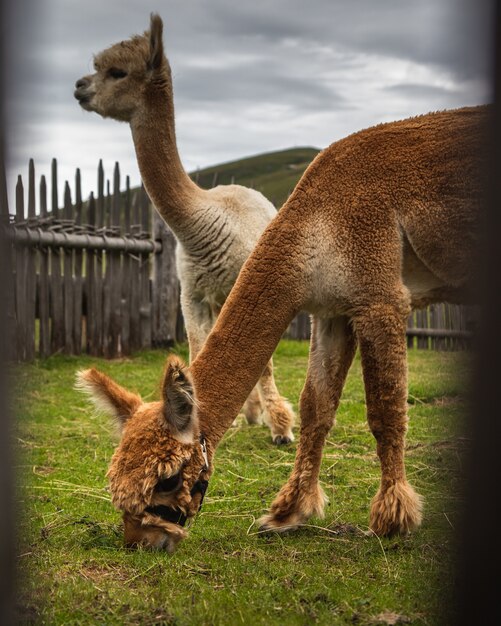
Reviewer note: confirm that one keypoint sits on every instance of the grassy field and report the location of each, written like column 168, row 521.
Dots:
column 74, row 569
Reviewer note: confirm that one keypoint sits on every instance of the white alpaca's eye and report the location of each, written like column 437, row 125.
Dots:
column 116, row 73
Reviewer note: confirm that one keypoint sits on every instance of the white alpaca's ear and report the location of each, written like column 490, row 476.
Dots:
column 156, row 42
column 107, row 396
column 178, row 396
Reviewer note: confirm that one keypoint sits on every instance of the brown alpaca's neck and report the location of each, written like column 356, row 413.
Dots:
column 267, row 295
column 170, row 189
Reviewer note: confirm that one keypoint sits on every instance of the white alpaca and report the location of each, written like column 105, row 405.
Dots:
column 216, row 229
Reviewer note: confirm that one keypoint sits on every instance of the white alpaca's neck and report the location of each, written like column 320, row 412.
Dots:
column 173, row 193
column 267, row 295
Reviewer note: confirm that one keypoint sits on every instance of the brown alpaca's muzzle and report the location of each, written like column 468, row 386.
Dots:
column 150, row 531
column 161, row 526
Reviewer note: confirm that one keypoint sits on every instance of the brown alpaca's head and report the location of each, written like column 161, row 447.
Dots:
column 127, row 77
column 158, row 472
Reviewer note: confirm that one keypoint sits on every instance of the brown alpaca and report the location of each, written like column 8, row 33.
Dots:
column 216, row 229
column 381, row 221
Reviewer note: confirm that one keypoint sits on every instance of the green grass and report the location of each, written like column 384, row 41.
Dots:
column 74, row 569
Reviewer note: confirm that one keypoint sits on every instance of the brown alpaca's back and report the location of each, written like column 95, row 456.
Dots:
column 403, row 194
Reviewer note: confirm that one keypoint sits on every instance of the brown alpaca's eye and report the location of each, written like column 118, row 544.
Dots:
column 115, row 73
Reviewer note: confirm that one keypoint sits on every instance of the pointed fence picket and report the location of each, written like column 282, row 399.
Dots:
column 100, row 276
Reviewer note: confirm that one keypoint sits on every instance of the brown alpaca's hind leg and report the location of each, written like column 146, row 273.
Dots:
column 396, row 508
column 331, row 353
column 278, row 414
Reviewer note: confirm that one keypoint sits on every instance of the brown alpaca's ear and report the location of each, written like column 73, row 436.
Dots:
column 156, row 43
column 178, row 399
column 107, row 396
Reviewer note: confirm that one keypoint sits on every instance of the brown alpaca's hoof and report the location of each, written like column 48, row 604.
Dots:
column 281, row 440
column 396, row 511
column 292, row 507
column 270, row 524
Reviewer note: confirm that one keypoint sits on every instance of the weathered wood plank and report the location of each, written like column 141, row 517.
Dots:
column 78, row 267
column 145, row 309
column 56, row 281
column 31, row 277
column 422, row 322
column 107, row 280
column 165, row 285
column 43, row 283
column 68, row 279
column 20, row 268
column 90, row 285
column 10, row 291
column 135, row 282
column 126, row 276
column 99, row 263
column 410, row 325
column 115, row 271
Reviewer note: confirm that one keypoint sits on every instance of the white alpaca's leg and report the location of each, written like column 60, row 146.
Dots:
column 253, row 407
column 278, row 414
column 198, row 323
column 199, row 318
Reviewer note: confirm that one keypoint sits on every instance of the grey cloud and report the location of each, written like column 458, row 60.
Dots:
column 213, row 86
column 413, row 90
column 247, row 76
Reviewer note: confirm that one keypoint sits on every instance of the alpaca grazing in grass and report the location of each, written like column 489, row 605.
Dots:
column 216, row 229
column 381, row 221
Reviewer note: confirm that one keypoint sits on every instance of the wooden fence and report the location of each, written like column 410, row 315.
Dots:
column 99, row 276
column 90, row 276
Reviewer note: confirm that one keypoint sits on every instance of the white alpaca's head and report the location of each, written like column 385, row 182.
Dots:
column 128, row 76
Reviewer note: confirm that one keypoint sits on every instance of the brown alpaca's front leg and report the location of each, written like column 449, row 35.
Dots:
column 278, row 414
column 396, row 508
column 331, row 353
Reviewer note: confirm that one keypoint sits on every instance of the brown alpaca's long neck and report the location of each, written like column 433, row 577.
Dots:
column 169, row 187
column 269, row 292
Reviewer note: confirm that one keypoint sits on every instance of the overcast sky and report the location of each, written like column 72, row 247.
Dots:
column 249, row 77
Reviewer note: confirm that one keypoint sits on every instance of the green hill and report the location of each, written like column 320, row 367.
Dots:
column 274, row 174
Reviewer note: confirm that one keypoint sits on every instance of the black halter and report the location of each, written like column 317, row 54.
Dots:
column 167, row 513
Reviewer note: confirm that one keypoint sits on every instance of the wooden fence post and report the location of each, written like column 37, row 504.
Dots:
column 20, row 265
column 114, row 272
column 145, row 307
column 99, row 257
column 56, row 284
column 135, row 268
column 78, row 265
column 68, row 278
column 10, row 343
column 90, row 287
column 43, row 283
column 107, row 280
column 165, row 285
column 126, row 277
column 31, row 284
